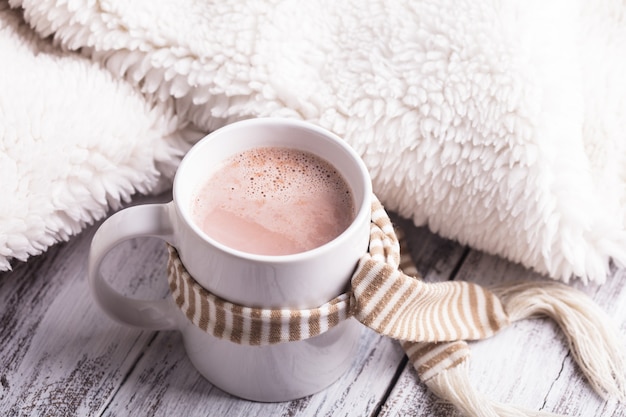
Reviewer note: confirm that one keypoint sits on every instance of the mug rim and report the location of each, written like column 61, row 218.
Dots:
column 363, row 209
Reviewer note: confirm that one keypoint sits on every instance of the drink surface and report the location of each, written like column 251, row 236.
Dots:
column 274, row 201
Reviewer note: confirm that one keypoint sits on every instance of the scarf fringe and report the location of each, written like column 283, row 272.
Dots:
column 593, row 338
column 454, row 386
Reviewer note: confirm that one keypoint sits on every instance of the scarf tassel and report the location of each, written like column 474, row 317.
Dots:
column 594, row 340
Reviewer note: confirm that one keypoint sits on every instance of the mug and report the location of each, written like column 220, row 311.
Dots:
column 305, row 280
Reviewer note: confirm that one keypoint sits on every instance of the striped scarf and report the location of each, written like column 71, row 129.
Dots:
column 432, row 321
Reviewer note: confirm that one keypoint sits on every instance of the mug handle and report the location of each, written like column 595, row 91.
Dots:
column 144, row 220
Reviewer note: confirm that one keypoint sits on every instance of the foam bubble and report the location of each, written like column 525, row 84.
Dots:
column 290, row 193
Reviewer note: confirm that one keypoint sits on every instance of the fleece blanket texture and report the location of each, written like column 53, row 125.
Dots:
column 499, row 124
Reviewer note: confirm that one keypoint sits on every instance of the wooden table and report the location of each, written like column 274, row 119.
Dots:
column 61, row 356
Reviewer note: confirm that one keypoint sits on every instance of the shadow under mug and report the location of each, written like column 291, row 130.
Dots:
column 269, row 373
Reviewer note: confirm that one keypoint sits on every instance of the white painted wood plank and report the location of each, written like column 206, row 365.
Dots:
column 527, row 364
column 436, row 258
column 570, row 393
column 60, row 355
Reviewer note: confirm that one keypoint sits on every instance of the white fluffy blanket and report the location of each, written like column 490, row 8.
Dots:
column 500, row 124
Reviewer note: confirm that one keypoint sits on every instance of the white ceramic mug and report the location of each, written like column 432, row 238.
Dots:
column 278, row 372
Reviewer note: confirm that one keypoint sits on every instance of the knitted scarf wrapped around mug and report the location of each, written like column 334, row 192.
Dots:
column 432, row 321
column 498, row 124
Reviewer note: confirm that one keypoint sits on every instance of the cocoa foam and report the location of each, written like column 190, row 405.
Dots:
column 274, row 201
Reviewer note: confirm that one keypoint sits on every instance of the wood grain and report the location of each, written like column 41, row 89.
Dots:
column 527, row 364
column 62, row 356
column 58, row 354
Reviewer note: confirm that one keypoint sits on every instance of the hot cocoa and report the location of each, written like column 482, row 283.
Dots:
column 274, row 201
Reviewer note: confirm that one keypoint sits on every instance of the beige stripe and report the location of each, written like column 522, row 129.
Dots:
column 398, row 317
column 314, row 323
column 197, row 302
column 442, row 293
column 432, row 326
column 466, row 311
column 446, row 357
column 403, row 325
column 413, row 323
column 180, row 300
column 422, row 325
column 393, row 251
column 220, row 318
column 204, row 312
column 416, row 350
column 333, row 317
column 266, row 329
column 256, row 327
column 444, row 353
column 275, row 326
column 425, row 326
column 191, row 299
column 284, row 329
column 376, row 247
column 435, row 315
column 324, row 313
column 382, row 222
column 304, row 324
column 443, row 313
column 473, row 305
column 175, row 287
column 397, row 294
column 388, row 253
column 479, row 305
column 184, row 290
column 454, row 312
column 237, row 324
column 212, row 315
column 493, row 322
column 377, row 209
column 366, row 268
column 452, row 360
column 294, row 325
column 406, row 264
column 171, row 274
column 382, row 295
column 246, row 315
column 387, row 228
column 435, row 303
column 490, row 319
column 418, row 360
column 367, row 291
column 228, row 321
